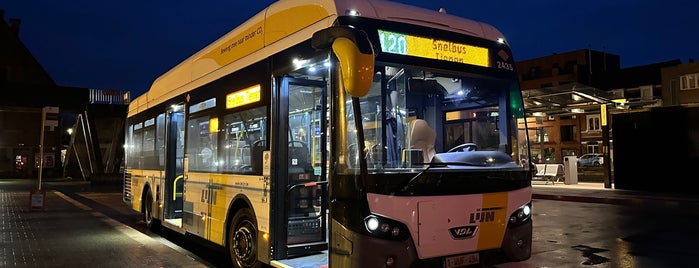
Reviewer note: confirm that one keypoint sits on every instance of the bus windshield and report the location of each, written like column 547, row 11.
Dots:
column 413, row 117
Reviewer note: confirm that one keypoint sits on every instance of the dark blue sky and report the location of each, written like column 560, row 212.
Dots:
column 127, row 44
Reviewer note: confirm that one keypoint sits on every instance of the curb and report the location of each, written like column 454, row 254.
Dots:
column 631, row 201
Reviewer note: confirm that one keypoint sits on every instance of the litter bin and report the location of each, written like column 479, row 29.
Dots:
column 570, row 169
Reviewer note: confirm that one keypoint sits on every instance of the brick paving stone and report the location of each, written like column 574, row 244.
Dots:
column 67, row 234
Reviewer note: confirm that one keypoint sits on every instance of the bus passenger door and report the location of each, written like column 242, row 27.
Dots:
column 303, row 137
column 174, row 163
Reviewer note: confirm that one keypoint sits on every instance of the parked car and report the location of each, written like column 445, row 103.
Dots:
column 591, row 160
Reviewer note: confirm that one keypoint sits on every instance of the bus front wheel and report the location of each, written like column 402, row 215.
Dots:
column 242, row 240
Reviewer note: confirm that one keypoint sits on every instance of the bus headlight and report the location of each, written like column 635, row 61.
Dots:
column 372, row 223
column 385, row 228
column 522, row 214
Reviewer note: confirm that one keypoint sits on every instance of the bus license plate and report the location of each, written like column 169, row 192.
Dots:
column 461, row 260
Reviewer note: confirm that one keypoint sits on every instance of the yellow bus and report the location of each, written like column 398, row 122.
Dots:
column 340, row 133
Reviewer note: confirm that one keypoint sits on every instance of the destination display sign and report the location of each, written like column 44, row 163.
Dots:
column 242, row 97
column 405, row 44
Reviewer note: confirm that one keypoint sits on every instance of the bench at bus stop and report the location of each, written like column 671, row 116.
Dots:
column 549, row 173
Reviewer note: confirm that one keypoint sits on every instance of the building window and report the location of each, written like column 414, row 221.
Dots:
column 549, row 155
column 569, row 67
column 689, row 81
column 535, row 72
column 542, row 135
column 568, row 133
column 568, row 152
column 593, row 123
column 593, row 147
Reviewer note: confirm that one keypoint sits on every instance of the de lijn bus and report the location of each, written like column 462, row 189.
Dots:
column 340, row 133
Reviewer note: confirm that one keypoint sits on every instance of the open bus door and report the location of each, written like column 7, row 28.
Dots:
column 174, row 163
column 304, row 177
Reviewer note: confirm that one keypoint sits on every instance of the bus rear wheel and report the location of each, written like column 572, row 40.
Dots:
column 148, row 211
column 242, row 240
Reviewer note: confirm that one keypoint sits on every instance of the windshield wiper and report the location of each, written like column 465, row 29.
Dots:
column 436, row 164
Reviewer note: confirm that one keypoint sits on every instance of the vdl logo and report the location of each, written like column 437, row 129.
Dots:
column 463, row 232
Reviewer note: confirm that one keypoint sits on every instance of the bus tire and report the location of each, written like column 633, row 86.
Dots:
column 242, row 240
column 148, row 210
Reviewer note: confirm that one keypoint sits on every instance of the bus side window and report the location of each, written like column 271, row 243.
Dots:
column 201, row 145
column 244, row 140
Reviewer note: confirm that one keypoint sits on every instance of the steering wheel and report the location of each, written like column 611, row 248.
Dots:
column 466, row 147
column 258, row 143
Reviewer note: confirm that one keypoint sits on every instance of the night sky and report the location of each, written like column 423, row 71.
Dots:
column 126, row 45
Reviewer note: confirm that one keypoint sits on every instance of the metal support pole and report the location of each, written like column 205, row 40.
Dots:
column 605, row 146
column 41, row 144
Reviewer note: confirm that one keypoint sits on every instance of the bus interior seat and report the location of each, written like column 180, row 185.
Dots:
column 258, row 147
column 298, row 157
column 411, row 157
column 423, row 137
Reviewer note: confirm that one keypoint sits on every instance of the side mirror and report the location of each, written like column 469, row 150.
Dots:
column 357, row 68
column 355, row 53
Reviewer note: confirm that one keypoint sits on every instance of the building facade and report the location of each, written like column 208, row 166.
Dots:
column 34, row 106
column 563, row 95
column 680, row 84
column 25, row 85
column 571, row 96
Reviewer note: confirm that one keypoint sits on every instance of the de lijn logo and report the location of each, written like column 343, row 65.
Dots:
column 480, row 216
